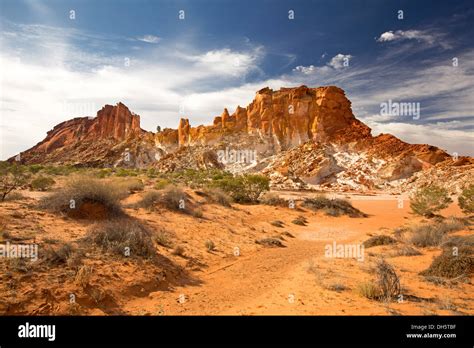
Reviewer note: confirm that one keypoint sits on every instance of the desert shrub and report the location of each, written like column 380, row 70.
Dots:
column 406, row 250
column 163, row 238
column 429, row 200
column 270, row 242
column 368, row 290
column 300, row 220
column 42, row 183
column 86, row 198
column 149, row 200
column 210, row 246
column 12, row 177
column 197, row 213
column 216, row 195
column 172, row 197
column 466, row 199
column 272, row 198
column 162, row 183
column 277, row 223
column 103, row 173
column 338, row 287
column 332, row 207
column 246, row 188
column 387, row 280
column 130, row 184
column 452, row 264
column 59, row 255
column 432, row 234
column 59, row 170
column 14, row 196
column 379, row 240
column 35, row 168
column 123, row 234
column 83, row 276
column 121, row 172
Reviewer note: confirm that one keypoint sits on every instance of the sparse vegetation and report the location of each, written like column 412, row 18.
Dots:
column 216, row 195
column 210, row 246
column 332, row 207
column 452, row 263
column 86, row 198
column 178, row 250
column 387, row 280
column 162, row 238
column 162, row 183
column 466, row 199
column 300, row 220
column 379, row 240
column 272, row 198
column 58, row 255
column 12, row 177
column 407, row 250
column 246, row 188
column 42, row 183
column 368, row 290
column 121, row 236
column 270, row 242
column 429, row 200
column 277, row 223
column 432, row 234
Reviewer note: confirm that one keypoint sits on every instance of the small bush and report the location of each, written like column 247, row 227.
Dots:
column 368, row 290
column 387, row 280
column 162, row 238
column 300, row 220
column 432, row 234
column 429, row 200
column 162, row 183
column 210, row 246
column 216, row 195
column 14, row 196
column 407, row 250
column 86, row 198
column 272, row 198
column 270, row 242
column 42, row 183
column 466, row 199
column 12, row 177
column 59, row 255
column 379, row 240
column 451, row 265
column 332, row 207
column 277, row 223
column 246, row 188
column 118, row 235
column 130, row 185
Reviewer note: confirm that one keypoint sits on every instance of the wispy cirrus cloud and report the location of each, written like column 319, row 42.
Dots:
column 152, row 39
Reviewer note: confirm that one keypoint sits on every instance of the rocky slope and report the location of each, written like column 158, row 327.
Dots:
column 300, row 137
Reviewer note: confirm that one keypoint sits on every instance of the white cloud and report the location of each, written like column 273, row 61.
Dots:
column 149, row 39
column 429, row 37
column 339, row 61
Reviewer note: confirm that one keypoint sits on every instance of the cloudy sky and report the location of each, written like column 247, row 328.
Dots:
column 168, row 59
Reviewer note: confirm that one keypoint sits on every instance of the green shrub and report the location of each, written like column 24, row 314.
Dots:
column 246, row 188
column 162, row 183
column 466, row 199
column 12, row 177
column 429, row 200
column 42, row 183
column 35, row 168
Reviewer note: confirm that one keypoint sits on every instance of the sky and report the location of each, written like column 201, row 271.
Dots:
column 170, row 59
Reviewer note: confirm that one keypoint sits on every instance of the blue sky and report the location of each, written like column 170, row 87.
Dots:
column 53, row 67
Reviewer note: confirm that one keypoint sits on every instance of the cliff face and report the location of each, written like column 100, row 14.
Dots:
column 288, row 117
column 298, row 136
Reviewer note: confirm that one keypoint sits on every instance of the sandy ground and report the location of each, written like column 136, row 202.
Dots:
column 297, row 279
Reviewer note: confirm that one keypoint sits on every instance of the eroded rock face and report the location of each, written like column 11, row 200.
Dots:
column 288, row 117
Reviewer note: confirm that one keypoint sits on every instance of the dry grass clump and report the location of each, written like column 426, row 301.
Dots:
column 272, row 198
column 379, row 240
column 332, row 207
column 300, row 220
column 210, row 246
column 432, row 234
column 130, row 185
column 86, row 198
column 121, row 236
column 452, row 263
column 59, row 255
column 163, row 238
column 406, row 250
column 218, row 196
column 270, row 242
column 277, row 223
column 172, row 198
column 386, row 285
